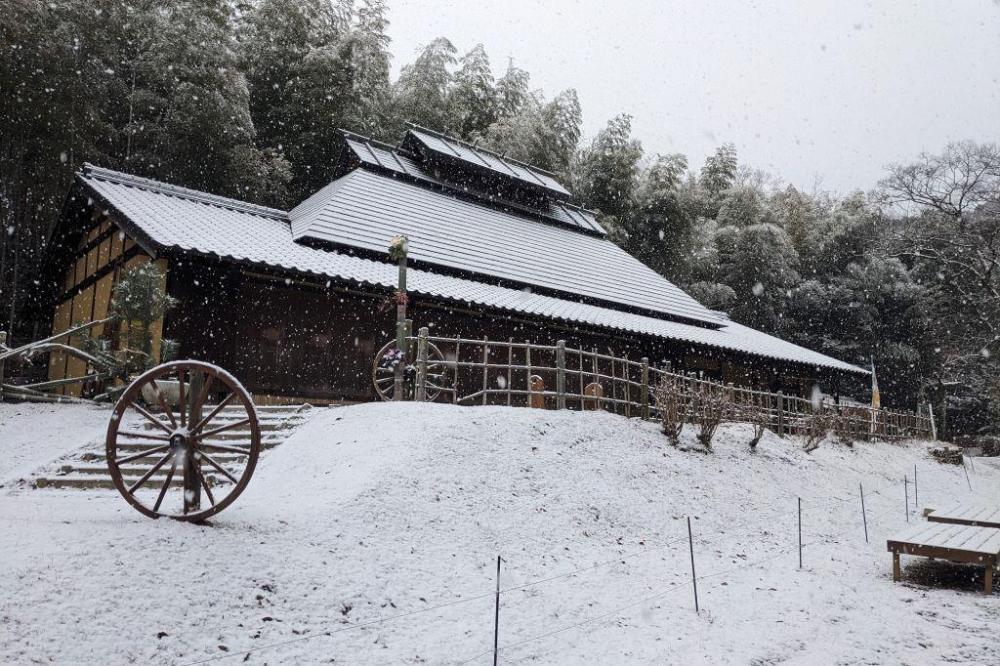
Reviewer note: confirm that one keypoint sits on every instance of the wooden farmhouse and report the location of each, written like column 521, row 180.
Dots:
column 295, row 303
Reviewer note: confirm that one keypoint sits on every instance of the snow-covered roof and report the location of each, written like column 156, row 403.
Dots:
column 363, row 210
column 166, row 217
column 381, row 157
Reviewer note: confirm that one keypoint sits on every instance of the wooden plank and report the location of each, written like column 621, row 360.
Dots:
column 957, row 540
column 967, row 514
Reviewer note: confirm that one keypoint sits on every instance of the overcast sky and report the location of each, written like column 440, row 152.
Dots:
column 807, row 90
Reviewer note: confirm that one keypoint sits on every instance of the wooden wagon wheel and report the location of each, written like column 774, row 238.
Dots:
column 174, row 452
column 384, row 371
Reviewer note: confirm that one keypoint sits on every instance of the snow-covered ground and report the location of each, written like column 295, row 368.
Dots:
column 32, row 435
column 371, row 537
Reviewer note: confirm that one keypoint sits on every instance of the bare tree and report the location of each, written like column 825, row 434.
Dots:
column 953, row 244
column 959, row 180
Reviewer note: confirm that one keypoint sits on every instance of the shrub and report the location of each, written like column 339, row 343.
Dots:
column 817, row 425
column 711, row 409
column 670, row 395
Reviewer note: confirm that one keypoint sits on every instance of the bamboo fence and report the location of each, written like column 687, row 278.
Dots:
column 508, row 372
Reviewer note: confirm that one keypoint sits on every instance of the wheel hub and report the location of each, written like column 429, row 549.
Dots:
column 180, row 440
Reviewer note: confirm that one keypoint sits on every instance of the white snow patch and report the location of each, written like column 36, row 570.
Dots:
column 397, row 512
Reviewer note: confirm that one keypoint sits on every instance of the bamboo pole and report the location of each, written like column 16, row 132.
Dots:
column 527, row 376
column 561, row 374
column 645, row 388
column 486, row 368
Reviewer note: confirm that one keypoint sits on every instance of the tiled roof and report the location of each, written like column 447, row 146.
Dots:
column 180, row 219
column 363, row 209
column 482, row 159
column 374, row 155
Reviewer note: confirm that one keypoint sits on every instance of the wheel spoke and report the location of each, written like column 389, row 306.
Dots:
column 203, row 395
column 149, row 417
column 151, row 472
column 218, row 408
column 220, row 468
column 228, row 449
column 385, row 380
column 166, row 485
column 204, row 484
column 163, row 403
column 143, row 435
column 143, row 454
column 216, row 431
column 181, row 402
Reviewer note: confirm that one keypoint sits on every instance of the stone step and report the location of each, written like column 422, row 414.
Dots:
column 138, row 467
column 87, row 481
column 221, row 438
column 88, row 468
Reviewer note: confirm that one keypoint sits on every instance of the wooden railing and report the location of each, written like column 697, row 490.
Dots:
column 471, row 371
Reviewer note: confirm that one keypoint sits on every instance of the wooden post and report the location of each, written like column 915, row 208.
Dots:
column 192, row 471
column 561, row 374
column 895, row 566
column 781, row 414
column 3, row 346
column 486, row 368
column 398, row 250
column 421, row 393
column 930, row 413
column 644, row 377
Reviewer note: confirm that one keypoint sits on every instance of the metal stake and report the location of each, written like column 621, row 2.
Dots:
column 966, row 470
column 694, row 577
column 496, row 620
column 864, row 517
column 800, row 532
column 906, row 496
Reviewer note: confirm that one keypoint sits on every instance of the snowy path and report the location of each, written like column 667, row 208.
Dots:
column 370, row 537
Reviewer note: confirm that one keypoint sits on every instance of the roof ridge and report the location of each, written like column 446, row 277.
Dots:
column 149, row 184
column 488, row 151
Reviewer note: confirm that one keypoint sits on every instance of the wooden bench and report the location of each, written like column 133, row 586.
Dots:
column 946, row 541
column 976, row 515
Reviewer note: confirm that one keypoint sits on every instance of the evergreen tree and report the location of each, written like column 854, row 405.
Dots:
column 363, row 77
column 719, row 171
column 290, row 53
column 543, row 134
column 420, row 95
column 759, row 263
column 472, row 101
column 606, row 172
column 658, row 231
column 189, row 119
column 512, row 92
